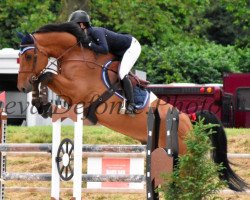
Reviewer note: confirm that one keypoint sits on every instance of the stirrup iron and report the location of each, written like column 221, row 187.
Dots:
column 123, row 107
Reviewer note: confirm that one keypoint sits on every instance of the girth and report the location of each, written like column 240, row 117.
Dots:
column 90, row 112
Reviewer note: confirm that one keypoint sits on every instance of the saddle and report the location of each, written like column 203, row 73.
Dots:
column 113, row 66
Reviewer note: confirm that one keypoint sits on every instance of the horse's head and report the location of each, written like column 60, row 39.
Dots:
column 32, row 62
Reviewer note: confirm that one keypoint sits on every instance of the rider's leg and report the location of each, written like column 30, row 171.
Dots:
column 128, row 60
column 128, row 89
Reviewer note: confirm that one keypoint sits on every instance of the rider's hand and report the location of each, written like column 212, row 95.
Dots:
column 86, row 41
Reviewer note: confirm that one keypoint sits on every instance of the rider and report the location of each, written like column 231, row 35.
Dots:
column 123, row 46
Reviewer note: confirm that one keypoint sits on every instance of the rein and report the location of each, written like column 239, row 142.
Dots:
column 92, row 62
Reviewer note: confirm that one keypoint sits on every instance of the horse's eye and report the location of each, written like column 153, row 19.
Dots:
column 28, row 57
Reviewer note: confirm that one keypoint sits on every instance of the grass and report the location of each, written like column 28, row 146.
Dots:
column 237, row 131
column 239, row 140
column 91, row 135
column 43, row 134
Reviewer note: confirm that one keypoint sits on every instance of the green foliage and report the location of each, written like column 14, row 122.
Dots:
column 161, row 21
column 154, row 60
column 191, row 62
column 24, row 16
column 244, row 62
column 229, row 22
column 43, row 134
column 241, row 23
column 196, row 177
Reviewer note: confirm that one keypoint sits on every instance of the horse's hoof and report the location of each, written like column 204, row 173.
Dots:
column 47, row 110
column 39, row 109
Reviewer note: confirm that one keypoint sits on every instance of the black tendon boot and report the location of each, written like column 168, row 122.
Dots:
column 128, row 89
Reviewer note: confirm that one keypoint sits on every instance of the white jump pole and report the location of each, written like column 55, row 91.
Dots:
column 55, row 178
column 3, row 120
column 78, row 134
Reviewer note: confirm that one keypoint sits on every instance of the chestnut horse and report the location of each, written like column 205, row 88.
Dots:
column 78, row 79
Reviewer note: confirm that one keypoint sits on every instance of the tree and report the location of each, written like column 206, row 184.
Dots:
column 195, row 176
column 229, row 22
column 68, row 6
column 162, row 22
column 24, row 16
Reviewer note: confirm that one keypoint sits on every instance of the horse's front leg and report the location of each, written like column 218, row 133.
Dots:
column 40, row 99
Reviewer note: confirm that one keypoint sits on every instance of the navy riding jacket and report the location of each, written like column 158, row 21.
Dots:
column 105, row 41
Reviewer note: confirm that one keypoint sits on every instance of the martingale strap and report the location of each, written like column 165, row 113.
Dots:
column 90, row 112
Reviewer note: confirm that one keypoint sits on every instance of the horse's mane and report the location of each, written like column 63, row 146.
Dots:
column 68, row 27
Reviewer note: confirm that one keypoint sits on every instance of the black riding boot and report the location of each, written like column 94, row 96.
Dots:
column 128, row 89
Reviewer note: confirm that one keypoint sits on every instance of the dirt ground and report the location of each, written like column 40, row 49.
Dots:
column 42, row 164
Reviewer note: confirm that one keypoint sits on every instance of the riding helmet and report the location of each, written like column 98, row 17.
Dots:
column 79, row 16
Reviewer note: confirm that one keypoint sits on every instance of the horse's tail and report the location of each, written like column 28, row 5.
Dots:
column 219, row 152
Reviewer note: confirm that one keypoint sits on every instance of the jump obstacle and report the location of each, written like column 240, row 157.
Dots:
column 3, row 126
column 153, row 155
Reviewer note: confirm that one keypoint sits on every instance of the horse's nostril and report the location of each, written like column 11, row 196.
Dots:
column 23, row 90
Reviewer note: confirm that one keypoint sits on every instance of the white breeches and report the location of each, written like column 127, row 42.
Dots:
column 129, row 58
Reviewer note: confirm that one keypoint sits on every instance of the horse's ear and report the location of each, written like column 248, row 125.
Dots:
column 20, row 35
